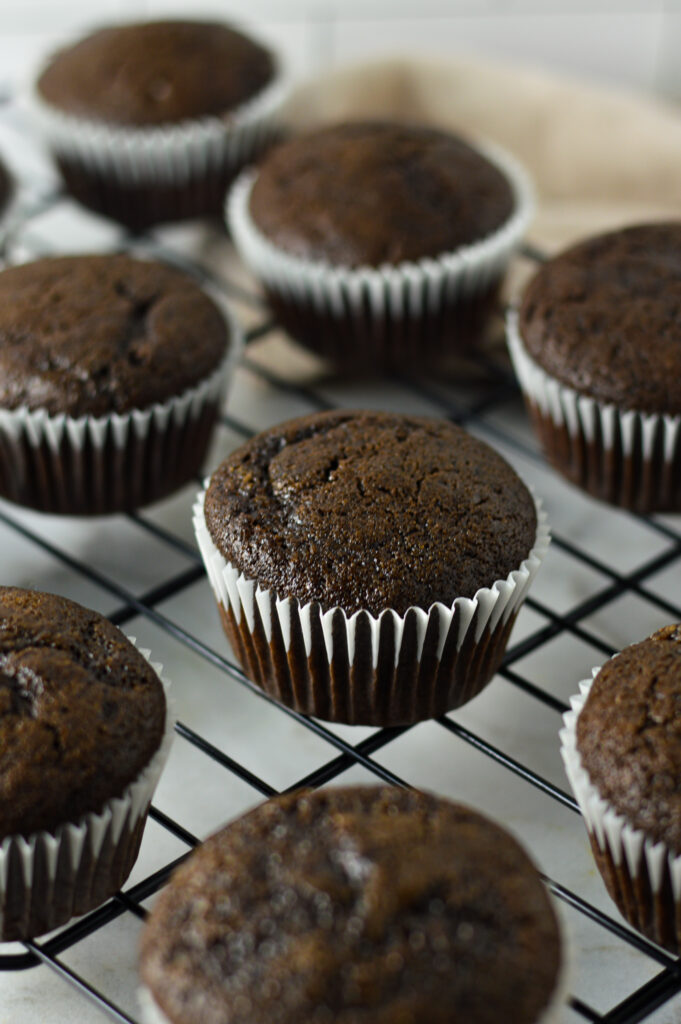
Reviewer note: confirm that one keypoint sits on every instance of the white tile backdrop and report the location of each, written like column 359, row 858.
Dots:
column 632, row 42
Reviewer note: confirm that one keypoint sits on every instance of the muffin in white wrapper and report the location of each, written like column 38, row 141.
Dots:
column 152, row 173
column 120, row 461
column 365, row 669
column 406, row 313
column 595, row 341
column 623, row 456
column 378, row 861
column 642, row 876
column 99, row 465
column 48, row 877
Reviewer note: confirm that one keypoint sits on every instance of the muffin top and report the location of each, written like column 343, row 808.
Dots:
column 370, row 510
column 604, row 318
column 93, row 335
column 354, row 906
column 81, row 712
column 629, row 735
column 157, row 72
column 372, row 193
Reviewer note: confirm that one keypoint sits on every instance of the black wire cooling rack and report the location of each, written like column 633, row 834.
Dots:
column 556, row 638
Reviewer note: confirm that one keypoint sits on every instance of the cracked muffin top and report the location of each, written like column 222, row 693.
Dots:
column 629, row 735
column 94, row 335
column 370, row 193
column 156, row 72
column 604, row 318
column 354, row 906
column 370, row 510
column 81, row 712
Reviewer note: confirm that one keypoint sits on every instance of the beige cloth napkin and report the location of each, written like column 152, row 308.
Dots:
column 599, row 158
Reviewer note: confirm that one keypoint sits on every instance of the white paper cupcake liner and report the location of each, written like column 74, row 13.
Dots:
column 94, row 465
column 643, row 877
column 170, row 154
column 149, row 1008
column 627, row 457
column 388, row 311
column 47, row 879
column 388, row 669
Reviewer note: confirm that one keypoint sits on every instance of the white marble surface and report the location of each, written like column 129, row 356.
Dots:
column 198, row 793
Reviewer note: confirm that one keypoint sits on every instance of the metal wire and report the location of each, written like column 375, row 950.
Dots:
column 499, row 387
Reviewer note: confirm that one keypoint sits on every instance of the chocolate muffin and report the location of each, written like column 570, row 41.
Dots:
column 364, row 194
column 111, row 376
column 370, row 510
column 379, row 242
column 623, row 755
column 598, row 325
column 378, row 544
column 158, row 72
column 83, row 735
column 354, row 905
column 185, row 96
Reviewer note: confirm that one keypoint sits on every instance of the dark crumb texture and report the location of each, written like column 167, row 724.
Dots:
column 81, row 712
column 629, row 735
column 160, row 72
column 94, row 335
column 6, row 188
column 373, row 193
column 354, row 906
column 604, row 318
column 367, row 510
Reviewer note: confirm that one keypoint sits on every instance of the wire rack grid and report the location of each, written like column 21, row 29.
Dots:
column 611, row 578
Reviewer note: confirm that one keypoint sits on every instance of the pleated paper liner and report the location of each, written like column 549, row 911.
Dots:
column 144, row 176
column 46, row 879
column 407, row 314
column 149, row 1007
column 642, row 877
column 362, row 669
column 628, row 458
column 95, row 465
